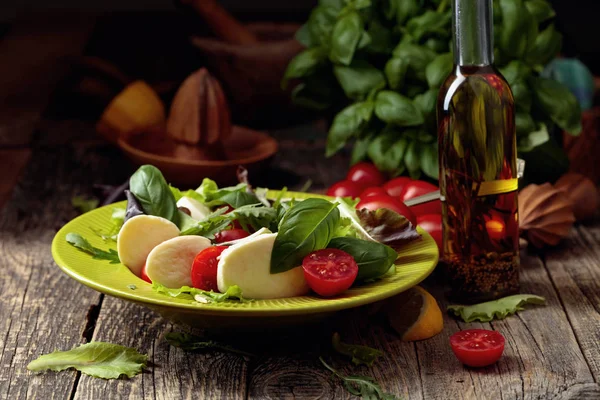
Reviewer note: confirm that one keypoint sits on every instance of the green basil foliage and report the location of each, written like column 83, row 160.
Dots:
column 153, row 193
column 380, row 64
column 306, row 226
column 373, row 259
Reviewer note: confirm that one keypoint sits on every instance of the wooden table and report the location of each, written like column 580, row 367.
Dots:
column 552, row 352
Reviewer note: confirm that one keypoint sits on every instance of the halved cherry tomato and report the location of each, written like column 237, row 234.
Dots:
column 432, row 223
column 228, row 235
column 395, row 187
column 345, row 189
column 204, row 268
column 144, row 275
column 329, row 271
column 372, row 191
column 477, row 347
column 383, row 201
column 365, row 174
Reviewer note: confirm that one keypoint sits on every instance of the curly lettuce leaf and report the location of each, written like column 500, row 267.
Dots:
column 387, row 227
column 495, row 309
column 201, row 296
column 97, row 359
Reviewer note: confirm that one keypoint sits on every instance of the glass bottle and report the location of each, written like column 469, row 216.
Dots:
column 478, row 164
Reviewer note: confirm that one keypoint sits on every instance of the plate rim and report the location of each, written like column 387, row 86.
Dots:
column 211, row 309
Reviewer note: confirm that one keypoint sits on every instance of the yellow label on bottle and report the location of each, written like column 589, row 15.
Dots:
column 488, row 188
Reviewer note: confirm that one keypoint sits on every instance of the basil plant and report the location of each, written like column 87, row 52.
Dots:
column 379, row 65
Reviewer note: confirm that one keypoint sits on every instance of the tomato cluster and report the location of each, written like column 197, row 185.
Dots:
column 365, row 182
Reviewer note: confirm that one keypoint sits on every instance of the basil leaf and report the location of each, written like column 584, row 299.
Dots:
column 345, row 37
column 360, row 149
column 559, row 104
column 519, row 29
column 524, row 123
column 358, row 79
column 522, row 95
column 304, row 63
column 303, row 36
column 394, row 108
column 403, row 9
column 306, row 227
column 417, row 57
column 387, row 150
column 360, row 354
column 496, row 309
column 348, row 123
column 152, row 191
column 438, row 70
column 381, row 38
column 373, row 258
column 428, row 23
column 546, row 46
column 320, row 24
column 515, row 71
column 426, row 102
column 541, row 10
column 534, row 138
column 395, row 72
column 412, row 159
column 235, row 199
column 430, row 160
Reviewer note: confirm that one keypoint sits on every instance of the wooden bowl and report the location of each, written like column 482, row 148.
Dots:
column 184, row 167
column 251, row 74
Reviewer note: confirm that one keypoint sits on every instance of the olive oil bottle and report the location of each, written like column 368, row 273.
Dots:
column 478, row 164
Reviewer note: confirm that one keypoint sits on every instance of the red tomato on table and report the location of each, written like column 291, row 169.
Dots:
column 432, row 224
column 228, row 235
column 329, row 271
column 365, row 174
column 204, row 268
column 383, row 201
column 477, row 347
column 345, row 189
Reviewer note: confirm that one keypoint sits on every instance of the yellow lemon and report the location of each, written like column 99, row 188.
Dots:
column 415, row 314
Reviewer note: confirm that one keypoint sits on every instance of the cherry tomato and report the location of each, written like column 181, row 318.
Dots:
column 382, row 201
column 365, row 174
column 329, row 271
column 144, row 275
column 204, row 268
column 495, row 228
column 228, row 235
column 345, row 189
column 477, row 347
column 395, row 187
column 432, row 223
column 418, row 188
column 372, row 191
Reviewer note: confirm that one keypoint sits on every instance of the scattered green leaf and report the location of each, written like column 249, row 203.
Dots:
column 496, row 309
column 82, row 244
column 201, row 296
column 188, row 342
column 360, row 354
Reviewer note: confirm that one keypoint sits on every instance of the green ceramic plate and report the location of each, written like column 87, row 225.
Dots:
column 416, row 261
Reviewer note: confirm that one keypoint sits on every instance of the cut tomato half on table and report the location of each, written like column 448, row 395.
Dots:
column 329, row 271
column 477, row 347
column 204, row 268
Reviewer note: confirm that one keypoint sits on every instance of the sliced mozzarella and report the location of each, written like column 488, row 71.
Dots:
column 248, row 265
column 198, row 210
column 139, row 235
column 170, row 263
column 259, row 232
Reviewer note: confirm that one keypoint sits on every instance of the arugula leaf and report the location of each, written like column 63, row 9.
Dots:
column 83, row 204
column 255, row 215
column 496, row 309
column 188, row 342
column 388, row 227
column 209, row 226
column 149, row 187
column 359, row 354
column 363, row 386
column 97, row 359
column 82, row 244
column 373, row 259
column 201, row 296
column 306, row 227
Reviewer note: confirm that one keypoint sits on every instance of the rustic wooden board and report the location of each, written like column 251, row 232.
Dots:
column 12, row 163
column 36, row 54
column 575, row 272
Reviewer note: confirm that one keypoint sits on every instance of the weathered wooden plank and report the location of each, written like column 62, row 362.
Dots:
column 575, row 271
column 12, row 163
column 41, row 309
column 171, row 373
column 35, row 56
column 542, row 358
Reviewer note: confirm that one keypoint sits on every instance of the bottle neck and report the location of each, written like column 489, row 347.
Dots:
column 472, row 26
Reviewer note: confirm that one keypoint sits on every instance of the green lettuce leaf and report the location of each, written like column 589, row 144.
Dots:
column 82, row 244
column 360, row 354
column 387, row 227
column 235, row 196
column 97, row 359
column 496, row 309
column 201, row 296
column 178, row 194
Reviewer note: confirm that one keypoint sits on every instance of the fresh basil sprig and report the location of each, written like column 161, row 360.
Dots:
column 152, row 191
column 373, row 259
column 305, row 227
